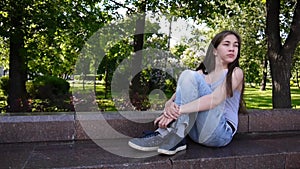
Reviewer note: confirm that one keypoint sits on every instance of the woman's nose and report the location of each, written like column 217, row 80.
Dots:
column 231, row 48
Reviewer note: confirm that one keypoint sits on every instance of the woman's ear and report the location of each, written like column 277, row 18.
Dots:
column 215, row 52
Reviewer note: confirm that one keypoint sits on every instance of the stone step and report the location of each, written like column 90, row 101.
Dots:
column 246, row 151
column 96, row 125
column 265, row 139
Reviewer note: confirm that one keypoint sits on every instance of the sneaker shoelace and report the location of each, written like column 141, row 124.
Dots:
column 148, row 134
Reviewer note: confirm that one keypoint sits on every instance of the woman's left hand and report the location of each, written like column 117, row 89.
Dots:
column 162, row 121
column 172, row 112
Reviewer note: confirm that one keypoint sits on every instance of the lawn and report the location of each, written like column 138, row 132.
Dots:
column 253, row 96
column 257, row 99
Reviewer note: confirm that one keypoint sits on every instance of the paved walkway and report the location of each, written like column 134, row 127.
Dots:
column 249, row 151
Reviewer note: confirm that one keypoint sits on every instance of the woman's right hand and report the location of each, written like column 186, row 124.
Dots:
column 171, row 110
column 162, row 121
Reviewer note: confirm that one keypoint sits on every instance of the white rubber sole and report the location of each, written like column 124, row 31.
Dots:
column 137, row 147
column 169, row 152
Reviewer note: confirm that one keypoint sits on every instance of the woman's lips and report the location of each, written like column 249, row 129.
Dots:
column 230, row 55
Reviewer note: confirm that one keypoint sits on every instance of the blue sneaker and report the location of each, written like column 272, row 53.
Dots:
column 149, row 142
column 172, row 144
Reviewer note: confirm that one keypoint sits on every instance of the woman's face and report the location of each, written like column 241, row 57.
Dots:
column 227, row 50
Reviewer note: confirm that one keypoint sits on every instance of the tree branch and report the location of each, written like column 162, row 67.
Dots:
column 122, row 5
column 272, row 27
column 294, row 35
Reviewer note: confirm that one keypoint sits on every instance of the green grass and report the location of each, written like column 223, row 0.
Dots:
column 257, row 99
column 253, row 96
column 295, row 94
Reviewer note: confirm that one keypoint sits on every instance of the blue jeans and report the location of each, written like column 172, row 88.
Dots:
column 207, row 127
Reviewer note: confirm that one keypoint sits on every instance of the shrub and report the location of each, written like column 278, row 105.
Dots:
column 49, row 93
column 48, row 87
column 145, row 82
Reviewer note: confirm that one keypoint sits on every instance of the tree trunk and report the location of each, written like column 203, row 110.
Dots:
column 281, row 71
column 265, row 74
column 280, row 56
column 17, row 96
column 136, row 93
column 138, row 44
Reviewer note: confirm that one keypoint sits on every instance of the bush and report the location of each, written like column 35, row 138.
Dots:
column 48, row 87
column 46, row 94
column 145, row 82
column 4, row 84
column 49, row 94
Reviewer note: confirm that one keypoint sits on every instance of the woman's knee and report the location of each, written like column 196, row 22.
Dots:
column 187, row 76
column 187, row 72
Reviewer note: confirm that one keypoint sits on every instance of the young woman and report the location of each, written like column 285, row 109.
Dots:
column 206, row 102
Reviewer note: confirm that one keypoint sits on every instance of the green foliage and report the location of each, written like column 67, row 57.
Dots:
column 149, row 80
column 49, row 87
column 39, row 105
column 49, row 94
column 248, row 19
column 4, row 53
column 178, row 49
column 113, row 58
column 286, row 17
column 55, row 31
column 45, row 38
column 4, row 84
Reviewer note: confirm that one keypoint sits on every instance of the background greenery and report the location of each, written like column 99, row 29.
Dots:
column 253, row 96
column 45, row 38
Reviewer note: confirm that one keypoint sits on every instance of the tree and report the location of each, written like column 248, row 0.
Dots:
column 111, row 60
column 17, row 95
column 178, row 8
column 44, row 32
column 248, row 19
column 210, row 12
column 280, row 52
column 282, row 33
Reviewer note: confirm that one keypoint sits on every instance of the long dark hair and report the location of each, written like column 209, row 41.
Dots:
column 208, row 65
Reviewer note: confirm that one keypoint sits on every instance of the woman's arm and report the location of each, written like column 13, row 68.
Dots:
column 171, row 100
column 216, row 97
column 163, row 121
